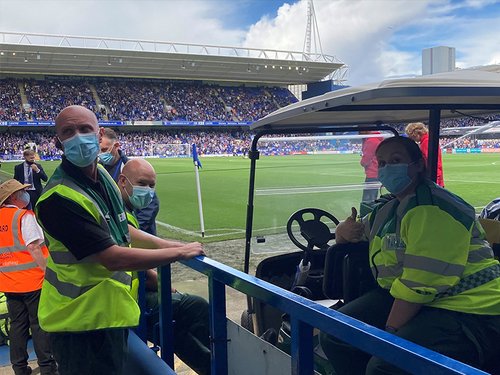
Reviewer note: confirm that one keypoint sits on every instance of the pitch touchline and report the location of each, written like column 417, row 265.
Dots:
column 478, row 182
column 314, row 189
column 197, row 234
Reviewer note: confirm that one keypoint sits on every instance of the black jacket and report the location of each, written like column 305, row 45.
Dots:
column 37, row 177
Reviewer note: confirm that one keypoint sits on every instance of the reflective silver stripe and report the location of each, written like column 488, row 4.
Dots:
column 66, row 289
column 73, row 291
column 12, row 249
column 19, row 267
column 387, row 271
column 65, row 257
column 433, row 265
column 475, row 241
column 15, row 235
column 400, row 254
column 122, row 277
column 475, row 233
column 476, row 256
column 413, row 284
column 473, row 281
column 381, row 217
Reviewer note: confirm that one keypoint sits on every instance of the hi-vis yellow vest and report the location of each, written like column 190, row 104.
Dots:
column 82, row 295
column 430, row 249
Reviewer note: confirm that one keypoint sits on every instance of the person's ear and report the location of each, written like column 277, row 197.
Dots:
column 100, row 134
column 122, row 181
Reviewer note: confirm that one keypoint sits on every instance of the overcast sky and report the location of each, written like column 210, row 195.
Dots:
column 376, row 38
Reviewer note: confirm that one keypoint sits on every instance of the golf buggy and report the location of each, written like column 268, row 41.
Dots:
column 308, row 209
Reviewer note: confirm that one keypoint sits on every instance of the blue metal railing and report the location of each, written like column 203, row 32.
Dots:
column 304, row 316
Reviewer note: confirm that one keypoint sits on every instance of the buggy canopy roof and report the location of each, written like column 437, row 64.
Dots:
column 393, row 101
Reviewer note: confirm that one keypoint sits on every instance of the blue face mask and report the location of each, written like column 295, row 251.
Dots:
column 394, row 177
column 24, row 198
column 81, row 149
column 106, row 158
column 141, row 196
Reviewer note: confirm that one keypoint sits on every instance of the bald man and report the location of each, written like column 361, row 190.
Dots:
column 113, row 159
column 190, row 313
column 86, row 303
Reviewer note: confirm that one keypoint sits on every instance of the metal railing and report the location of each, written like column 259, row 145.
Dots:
column 142, row 45
column 304, row 316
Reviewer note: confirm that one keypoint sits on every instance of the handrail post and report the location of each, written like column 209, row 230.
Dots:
column 218, row 326
column 166, row 319
column 302, row 347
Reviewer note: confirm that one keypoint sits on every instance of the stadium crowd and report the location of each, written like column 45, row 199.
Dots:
column 209, row 142
column 138, row 100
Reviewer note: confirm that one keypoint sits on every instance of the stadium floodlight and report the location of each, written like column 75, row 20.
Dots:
column 2, row 53
column 13, row 54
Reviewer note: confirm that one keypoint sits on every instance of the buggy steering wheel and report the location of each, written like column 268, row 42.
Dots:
column 314, row 231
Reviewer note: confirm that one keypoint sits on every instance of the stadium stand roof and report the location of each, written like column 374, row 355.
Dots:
column 46, row 54
column 494, row 68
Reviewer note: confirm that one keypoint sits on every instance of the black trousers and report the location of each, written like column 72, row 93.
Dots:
column 469, row 338
column 191, row 328
column 23, row 312
column 99, row 352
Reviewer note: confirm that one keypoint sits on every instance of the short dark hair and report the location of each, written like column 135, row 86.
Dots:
column 110, row 134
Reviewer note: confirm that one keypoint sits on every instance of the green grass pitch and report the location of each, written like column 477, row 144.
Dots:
column 284, row 184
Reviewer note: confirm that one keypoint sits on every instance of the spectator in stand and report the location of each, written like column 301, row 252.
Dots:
column 419, row 133
column 11, row 108
column 30, row 173
column 369, row 163
column 114, row 160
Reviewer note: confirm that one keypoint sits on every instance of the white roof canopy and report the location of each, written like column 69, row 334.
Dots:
column 393, row 101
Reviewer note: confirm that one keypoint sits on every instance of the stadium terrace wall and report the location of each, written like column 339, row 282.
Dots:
column 136, row 123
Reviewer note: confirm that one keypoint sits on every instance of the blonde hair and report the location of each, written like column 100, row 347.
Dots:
column 416, row 128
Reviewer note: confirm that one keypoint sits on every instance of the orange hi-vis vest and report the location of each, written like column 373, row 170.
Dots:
column 19, row 272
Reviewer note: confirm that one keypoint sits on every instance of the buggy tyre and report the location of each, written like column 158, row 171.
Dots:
column 247, row 320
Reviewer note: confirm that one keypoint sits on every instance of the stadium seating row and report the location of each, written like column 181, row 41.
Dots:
column 137, row 100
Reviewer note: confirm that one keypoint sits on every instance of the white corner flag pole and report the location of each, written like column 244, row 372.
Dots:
column 197, row 165
column 200, row 204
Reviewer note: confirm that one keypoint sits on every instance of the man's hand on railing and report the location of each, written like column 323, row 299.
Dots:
column 191, row 250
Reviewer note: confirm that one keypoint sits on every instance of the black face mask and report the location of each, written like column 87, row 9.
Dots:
column 30, row 162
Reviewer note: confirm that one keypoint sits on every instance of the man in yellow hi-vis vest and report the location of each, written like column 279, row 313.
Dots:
column 86, row 303
column 191, row 344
